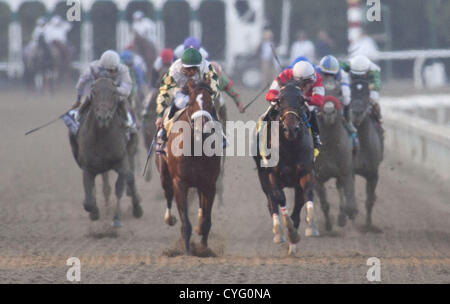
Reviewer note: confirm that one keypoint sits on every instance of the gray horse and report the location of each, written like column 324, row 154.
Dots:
column 335, row 161
column 102, row 144
column 370, row 153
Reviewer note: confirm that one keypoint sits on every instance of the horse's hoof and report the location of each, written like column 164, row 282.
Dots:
column 311, row 230
column 292, row 250
column 137, row 211
column 278, row 239
column 342, row 219
column 171, row 220
column 94, row 214
column 117, row 223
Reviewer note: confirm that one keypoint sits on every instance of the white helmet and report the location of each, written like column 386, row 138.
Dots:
column 56, row 20
column 304, row 70
column 359, row 65
column 110, row 60
column 138, row 15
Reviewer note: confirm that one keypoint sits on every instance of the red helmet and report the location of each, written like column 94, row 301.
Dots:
column 166, row 56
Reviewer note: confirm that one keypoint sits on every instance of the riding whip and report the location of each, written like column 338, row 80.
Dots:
column 47, row 124
column 150, row 152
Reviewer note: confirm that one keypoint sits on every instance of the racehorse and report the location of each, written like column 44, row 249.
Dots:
column 335, row 161
column 180, row 172
column 294, row 169
column 39, row 65
column 102, row 144
column 370, row 154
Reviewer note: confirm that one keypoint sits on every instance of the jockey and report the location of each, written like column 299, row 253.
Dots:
column 143, row 26
column 310, row 83
column 360, row 66
column 337, row 83
column 225, row 82
column 188, row 43
column 108, row 66
column 56, row 30
column 191, row 66
column 161, row 66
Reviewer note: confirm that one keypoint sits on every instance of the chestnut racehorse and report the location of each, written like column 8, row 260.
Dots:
column 181, row 171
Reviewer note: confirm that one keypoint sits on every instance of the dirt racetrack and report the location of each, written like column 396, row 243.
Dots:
column 42, row 221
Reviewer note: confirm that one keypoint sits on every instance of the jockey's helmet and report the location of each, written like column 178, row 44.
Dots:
column 127, row 57
column 138, row 15
column 110, row 60
column 304, row 70
column 359, row 65
column 329, row 64
column 166, row 56
column 192, row 42
column 191, row 58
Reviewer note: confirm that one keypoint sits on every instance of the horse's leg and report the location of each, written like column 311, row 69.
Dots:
column 278, row 236
column 206, row 204
column 342, row 217
column 167, row 185
column 135, row 199
column 308, row 196
column 371, row 184
column 131, row 155
column 119, row 188
column 181, row 192
column 106, row 188
column 324, row 204
column 347, row 183
column 90, row 204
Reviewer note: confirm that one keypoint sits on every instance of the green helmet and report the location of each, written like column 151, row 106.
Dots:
column 191, row 57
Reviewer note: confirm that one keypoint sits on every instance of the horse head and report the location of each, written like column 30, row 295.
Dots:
column 330, row 111
column 291, row 109
column 200, row 107
column 360, row 105
column 105, row 100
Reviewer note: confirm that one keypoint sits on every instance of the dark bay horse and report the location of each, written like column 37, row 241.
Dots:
column 294, row 169
column 102, row 144
column 370, row 154
column 181, row 171
column 335, row 161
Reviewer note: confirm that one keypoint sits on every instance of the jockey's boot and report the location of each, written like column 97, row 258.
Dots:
column 351, row 128
column 224, row 138
column 161, row 141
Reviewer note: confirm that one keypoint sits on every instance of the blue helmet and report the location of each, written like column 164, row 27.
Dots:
column 192, row 42
column 330, row 65
column 127, row 57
